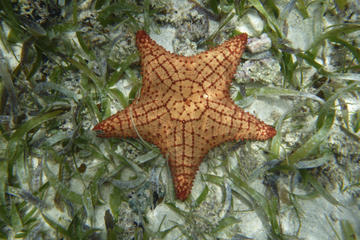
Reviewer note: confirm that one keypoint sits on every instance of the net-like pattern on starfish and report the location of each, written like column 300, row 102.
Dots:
column 185, row 108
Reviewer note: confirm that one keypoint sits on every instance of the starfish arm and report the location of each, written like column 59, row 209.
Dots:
column 229, row 122
column 185, row 149
column 147, row 46
column 155, row 66
column 136, row 119
column 150, row 121
column 117, row 125
column 218, row 65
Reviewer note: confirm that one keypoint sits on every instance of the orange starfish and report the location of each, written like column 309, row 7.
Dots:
column 185, row 107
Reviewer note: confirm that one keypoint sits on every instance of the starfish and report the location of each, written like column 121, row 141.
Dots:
column 185, row 107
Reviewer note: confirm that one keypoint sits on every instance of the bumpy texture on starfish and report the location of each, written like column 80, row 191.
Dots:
column 185, row 107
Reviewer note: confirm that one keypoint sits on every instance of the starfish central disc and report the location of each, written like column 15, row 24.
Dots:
column 189, row 102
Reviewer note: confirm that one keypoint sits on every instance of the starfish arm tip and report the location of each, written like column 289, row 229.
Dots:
column 142, row 39
column 266, row 133
column 271, row 132
column 182, row 196
column 243, row 37
column 141, row 34
column 117, row 125
column 100, row 130
column 184, row 182
column 182, row 193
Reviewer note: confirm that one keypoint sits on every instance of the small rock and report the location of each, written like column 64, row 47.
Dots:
column 262, row 44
